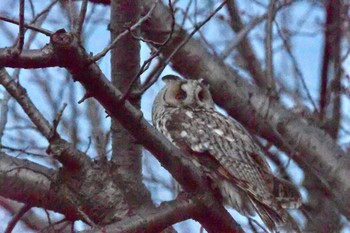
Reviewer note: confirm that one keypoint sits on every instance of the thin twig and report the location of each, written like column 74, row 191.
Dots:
column 257, row 223
column 20, row 43
column 172, row 26
column 252, row 227
column 86, row 217
column 32, row 8
column 79, row 25
column 150, row 79
column 30, row 26
column 57, row 120
column 38, row 20
column 202, row 36
column 143, row 68
column 89, row 17
column 71, row 14
column 72, row 227
column 23, row 151
column 19, row 93
column 185, row 13
column 44, row 11
column 52, row 225
column 240, row 36
column 282, row 168
column 268, row 46
column 154, row 43
column 3, row 113
column 48, row 217
column 124, row 33
column 88, row 146
column 296, row 68
column 197, row 28
column 11, row 225
column 147, row 63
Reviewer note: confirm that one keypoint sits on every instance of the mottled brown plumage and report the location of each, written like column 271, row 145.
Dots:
column 184, row 112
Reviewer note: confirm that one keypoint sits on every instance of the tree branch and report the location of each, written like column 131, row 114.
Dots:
column 20, row 175
column 31, row 219
column 35, row 58
column 245, row 48
column 79, row 26
column 125, row 65
column 11, row 225
column 331, row 69
column 20, row 42
column 270, row 77
column 29, row 26
column 155, row 220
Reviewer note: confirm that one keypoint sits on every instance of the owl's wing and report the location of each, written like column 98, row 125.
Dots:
column 223, row 146
column 221, row 142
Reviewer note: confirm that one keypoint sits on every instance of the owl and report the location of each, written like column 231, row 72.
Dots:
column 235, row 165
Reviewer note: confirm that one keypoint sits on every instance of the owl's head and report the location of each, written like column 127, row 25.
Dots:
column 184, row 93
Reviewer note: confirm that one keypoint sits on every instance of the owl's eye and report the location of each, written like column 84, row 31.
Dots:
column 201, row 95
column 180, row 95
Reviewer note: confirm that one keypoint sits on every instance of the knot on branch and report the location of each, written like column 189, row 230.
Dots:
column 70, row 53
column 62, row 38
column 72, row 159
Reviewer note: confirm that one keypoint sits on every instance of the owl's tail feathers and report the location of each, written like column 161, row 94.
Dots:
column 277, row 222
column 286, row 194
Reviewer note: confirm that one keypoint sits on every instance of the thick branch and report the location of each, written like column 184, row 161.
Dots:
column 19, row 177
column 36, row 58
column 38, row 186
column 331, row 69
column 155, row 220
column 125, row 65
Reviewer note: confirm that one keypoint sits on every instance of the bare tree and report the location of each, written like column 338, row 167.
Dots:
column 75, row 149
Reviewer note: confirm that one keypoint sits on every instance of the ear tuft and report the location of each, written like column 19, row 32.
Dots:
column 170, row 78
column 204, row 82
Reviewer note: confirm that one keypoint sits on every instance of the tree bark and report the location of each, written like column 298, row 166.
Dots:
column 125, row 64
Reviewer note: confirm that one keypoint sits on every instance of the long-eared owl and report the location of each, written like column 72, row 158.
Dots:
column 184, row 112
